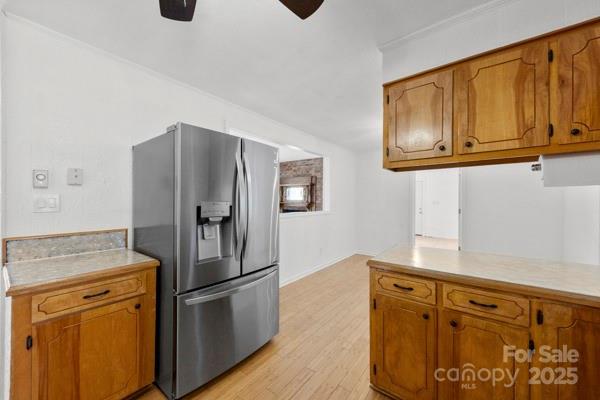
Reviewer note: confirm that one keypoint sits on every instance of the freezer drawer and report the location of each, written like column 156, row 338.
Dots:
column 220, row 326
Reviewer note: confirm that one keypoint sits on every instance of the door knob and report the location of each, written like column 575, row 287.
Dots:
column 425, row 316
column 442, row 148
column 469, row 144
column 453, row 323
column 575, row 131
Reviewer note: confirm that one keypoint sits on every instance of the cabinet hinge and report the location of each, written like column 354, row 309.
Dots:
column 531, row 345
column 550, row 55
column 374, row 369
column 550, row 130
column 540, row 317
column 388, row 99
column 29, row 342
column 374, row 304
column 387, row 151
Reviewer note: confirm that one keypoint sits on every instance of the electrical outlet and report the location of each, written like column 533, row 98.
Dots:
column 75, row 176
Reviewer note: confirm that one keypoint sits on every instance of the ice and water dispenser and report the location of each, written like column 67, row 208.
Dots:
column 215, row 239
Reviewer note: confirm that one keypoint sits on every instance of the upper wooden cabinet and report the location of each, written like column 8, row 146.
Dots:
column 419, row 117
column 502, row 100
column 536, row 97
column 577, row 112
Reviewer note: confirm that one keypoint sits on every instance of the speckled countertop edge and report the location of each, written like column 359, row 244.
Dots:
column 37, row 274
column 576, row 281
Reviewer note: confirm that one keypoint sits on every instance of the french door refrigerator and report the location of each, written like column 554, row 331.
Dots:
column 206, row 204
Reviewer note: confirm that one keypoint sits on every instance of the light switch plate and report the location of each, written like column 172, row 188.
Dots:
column 40, row 178
column 46, row 203
column 74, row 176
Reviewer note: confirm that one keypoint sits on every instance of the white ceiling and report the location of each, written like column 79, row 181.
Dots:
column 322, row 75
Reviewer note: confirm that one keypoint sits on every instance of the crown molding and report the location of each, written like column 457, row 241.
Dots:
column 450, row 21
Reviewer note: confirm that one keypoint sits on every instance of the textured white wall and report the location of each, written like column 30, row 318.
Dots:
column 505, row 22
column 69, row 105
column 440, row 202
column 383, row 215
column 507, row 210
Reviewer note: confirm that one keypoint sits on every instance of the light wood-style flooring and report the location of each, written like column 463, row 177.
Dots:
column 437, row 243
column 322, row 350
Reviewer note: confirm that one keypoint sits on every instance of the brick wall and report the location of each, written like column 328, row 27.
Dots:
column 314, row 167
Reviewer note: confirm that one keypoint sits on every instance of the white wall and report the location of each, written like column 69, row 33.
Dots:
column 69, row 105
column 500, row 23
column 384, row 201
column 581, row 224
column 507, row 210
column 440, row 202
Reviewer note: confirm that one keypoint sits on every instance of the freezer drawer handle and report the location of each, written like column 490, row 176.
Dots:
column 229, row 292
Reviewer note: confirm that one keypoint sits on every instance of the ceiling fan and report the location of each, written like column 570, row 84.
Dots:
column 183, row 10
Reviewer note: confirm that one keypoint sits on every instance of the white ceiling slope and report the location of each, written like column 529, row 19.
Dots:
column 322, row 75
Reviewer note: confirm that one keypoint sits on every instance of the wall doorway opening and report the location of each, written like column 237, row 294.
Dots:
column 436, row 211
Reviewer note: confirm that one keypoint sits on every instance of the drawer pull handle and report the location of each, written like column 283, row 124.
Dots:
column 408, row 289
column 91, row 296
column 482, row 304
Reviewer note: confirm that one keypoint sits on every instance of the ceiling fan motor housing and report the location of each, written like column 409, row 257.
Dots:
column 179, row 10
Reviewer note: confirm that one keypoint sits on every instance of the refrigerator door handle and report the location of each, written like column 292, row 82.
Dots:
column 215, row 296
column 238, row 210
column 248, row 185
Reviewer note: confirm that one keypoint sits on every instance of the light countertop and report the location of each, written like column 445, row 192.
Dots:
column 548, row 278
column 33, row 275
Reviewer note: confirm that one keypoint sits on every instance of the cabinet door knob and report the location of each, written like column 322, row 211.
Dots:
column 469, row 144
column 442, row 148
column 575, row 131
column 425, row 316
column 453, row 323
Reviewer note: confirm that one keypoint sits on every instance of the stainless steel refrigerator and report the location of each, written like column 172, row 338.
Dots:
column 206, row 204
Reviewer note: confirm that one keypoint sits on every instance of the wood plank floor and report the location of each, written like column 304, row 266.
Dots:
column 322, row 350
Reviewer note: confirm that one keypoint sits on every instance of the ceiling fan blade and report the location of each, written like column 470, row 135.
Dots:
column 179, row 10
column 302, row 8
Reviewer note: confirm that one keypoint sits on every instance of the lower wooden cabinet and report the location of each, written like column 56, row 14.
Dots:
column 91, row 355
column 403, row 336
column 570, row 329
column 472, row 353
column 98, row 345
column 470, row 343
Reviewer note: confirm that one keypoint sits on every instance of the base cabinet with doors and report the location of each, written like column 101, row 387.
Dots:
column 436, row 339
column 536, row 97
column 93, row 340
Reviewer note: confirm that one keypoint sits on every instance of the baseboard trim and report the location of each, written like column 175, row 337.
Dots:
column 314, row 269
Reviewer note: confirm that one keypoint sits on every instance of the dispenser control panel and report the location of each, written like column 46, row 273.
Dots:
column 213, row 209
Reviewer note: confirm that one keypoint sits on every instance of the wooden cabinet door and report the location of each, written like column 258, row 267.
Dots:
column 576, row 113
column 577, row 328
column 404, row 347
column 501, row 100
column 419, row 117
column 91, row 355
column 469, row 345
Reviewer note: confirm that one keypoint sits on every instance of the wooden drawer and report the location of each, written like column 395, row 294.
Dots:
column 82, row 297
column 499, row 306
column 409, row 287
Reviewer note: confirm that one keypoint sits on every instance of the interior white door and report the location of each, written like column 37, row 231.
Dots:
column 419, row 208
